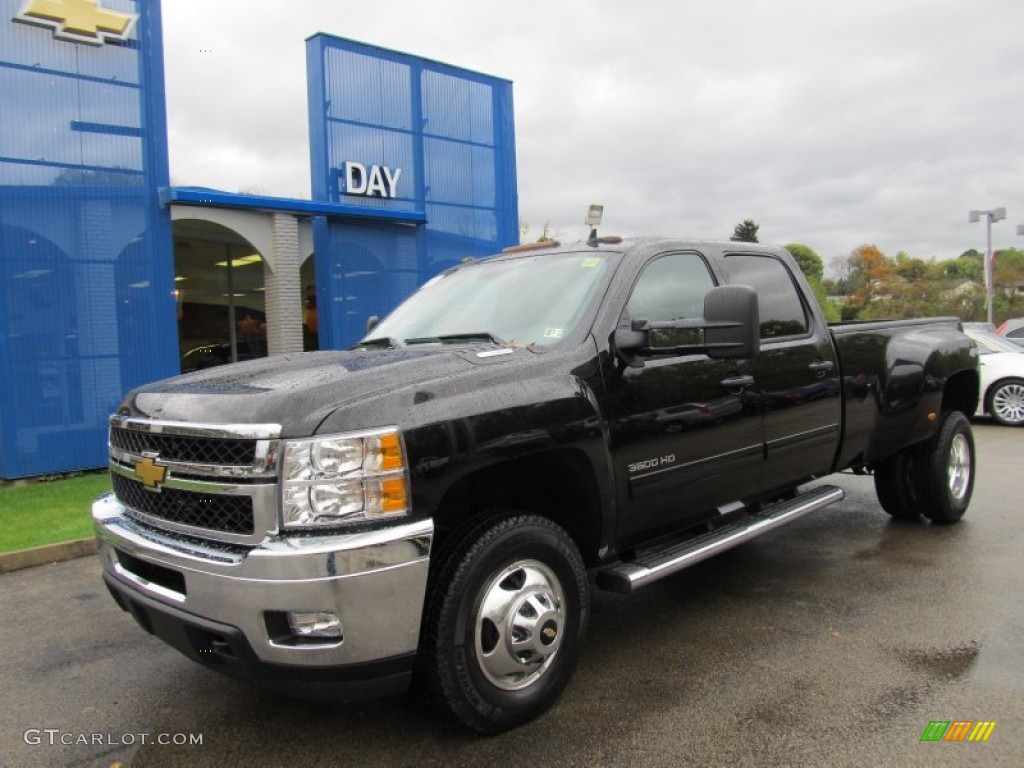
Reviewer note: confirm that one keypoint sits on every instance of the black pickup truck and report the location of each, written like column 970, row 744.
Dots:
column 434, row 505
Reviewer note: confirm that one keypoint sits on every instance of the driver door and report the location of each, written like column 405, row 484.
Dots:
column 685, row 430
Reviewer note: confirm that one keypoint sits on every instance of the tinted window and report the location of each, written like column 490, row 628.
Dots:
column 671, row 287
column 782, row 312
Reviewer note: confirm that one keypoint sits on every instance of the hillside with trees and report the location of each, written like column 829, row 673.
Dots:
column 871, row 285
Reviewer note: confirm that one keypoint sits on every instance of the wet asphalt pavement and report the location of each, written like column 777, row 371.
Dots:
column 833, row 641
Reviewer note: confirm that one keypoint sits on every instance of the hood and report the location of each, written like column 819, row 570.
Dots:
column 299, row 391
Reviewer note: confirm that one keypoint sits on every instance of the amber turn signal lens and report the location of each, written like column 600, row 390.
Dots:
column 391, row 452
column 392, row 496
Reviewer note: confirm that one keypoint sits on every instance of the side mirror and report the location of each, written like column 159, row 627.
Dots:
column 733, row 326
column 372, row 322
column 627, row 345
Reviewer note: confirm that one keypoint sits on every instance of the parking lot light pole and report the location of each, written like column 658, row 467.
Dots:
column 995, row 214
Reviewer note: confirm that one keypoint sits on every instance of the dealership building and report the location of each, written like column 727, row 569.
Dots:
column 110, row 277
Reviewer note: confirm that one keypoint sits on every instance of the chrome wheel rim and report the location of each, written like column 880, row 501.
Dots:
column 1008, row 403
column 959, row 469
column 519, row 625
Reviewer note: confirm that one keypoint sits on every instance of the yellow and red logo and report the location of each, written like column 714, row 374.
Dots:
column 80, row 21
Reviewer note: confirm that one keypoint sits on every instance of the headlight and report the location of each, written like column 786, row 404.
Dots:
column 344, row 478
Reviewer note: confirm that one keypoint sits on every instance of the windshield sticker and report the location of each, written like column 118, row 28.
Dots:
column 554, row 333
column 590, row 262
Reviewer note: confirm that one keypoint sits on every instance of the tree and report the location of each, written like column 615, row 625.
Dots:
column 879, row 287
column 808, row 260
column 868, row 279
column 966, row 267
column 745, row 232
column 547, row 235
column 910, row 268
column 811, row 265
column 1009, row 270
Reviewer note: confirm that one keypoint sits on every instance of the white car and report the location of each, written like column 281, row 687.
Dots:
column 1002, row 377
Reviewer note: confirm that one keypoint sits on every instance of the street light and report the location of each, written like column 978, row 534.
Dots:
column 995, row 214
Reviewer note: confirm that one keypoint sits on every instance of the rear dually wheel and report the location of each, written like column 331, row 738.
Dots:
column 948, row 470
column 934, row 478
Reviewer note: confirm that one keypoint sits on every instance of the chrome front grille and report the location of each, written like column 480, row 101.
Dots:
column 194, row 450
column 211, row 481
column 230, row 514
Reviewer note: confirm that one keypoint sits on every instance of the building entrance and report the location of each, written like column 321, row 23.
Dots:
column 219, row 292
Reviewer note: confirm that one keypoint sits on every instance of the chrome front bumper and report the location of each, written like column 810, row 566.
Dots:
column 374, row 581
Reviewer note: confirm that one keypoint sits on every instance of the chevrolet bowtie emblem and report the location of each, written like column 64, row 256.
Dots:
column 150, row 473
column 81, row 21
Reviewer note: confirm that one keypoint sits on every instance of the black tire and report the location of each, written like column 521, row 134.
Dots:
column 517, row 579
column 947, row 470
column 896, row 484
column 1005, row 402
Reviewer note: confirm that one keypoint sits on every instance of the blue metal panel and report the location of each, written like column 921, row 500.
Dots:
column 368, row 265
column 86, row 269
column 449, row 130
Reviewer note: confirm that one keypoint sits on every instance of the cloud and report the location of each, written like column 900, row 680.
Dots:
column 829, row 124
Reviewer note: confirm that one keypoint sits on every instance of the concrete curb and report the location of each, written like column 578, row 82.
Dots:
column 49, row 553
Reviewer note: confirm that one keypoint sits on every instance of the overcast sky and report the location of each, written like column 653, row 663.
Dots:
column 829, row 123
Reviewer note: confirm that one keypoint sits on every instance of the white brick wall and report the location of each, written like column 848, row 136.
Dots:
column 283, row 297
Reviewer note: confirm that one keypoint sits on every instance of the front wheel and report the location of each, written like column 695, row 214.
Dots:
column 1006, row 402
column 504, row 622
column 947, row 470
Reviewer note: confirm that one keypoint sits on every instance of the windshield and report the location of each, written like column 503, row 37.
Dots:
column 524, row 301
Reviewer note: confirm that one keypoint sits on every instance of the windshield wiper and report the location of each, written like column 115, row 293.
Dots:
column 445, row 337
column 385, row 342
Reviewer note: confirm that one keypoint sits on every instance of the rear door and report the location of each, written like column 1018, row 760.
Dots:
column 685, row 436
column 796, row 371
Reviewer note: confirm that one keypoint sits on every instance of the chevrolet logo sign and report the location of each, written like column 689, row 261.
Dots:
column 80, row 21
column 150, row 473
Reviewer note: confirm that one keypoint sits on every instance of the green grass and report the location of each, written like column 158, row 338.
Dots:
column 48, row 512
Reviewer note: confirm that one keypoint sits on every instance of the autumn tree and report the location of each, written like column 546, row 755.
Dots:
column 869, row 282
column 878, row 287
column 745, row 232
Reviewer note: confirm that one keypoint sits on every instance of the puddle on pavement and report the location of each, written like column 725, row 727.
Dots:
column 951, row 662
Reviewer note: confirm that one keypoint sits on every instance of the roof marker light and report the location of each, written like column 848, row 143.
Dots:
column 531, row 246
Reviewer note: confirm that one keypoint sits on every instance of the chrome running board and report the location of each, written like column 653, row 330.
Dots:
column 656, row 564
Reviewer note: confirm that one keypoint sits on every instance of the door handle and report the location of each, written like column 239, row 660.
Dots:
column 737, row 382
column 821, row 367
